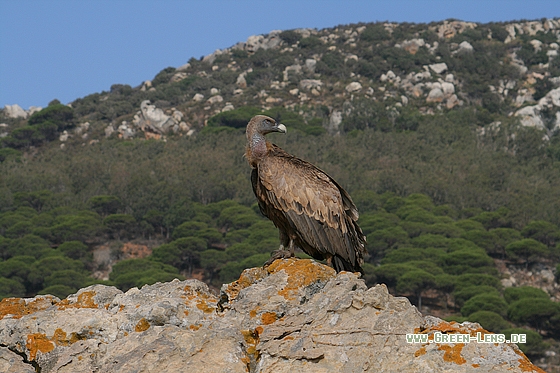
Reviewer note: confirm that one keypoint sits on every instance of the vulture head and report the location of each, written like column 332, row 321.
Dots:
column 262, row 125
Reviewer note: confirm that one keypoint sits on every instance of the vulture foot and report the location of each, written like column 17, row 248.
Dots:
column 281, row 253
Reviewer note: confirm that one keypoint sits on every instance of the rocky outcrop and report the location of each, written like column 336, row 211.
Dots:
column 153, row 122
column 151, row 118
column 14, row 111
column 531, row 115
column 294, row 316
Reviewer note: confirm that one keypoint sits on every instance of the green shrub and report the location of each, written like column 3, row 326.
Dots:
column 463, row 294
column 7, row 154
column 105, row 204
column 537, row 312
column 534, row 344
column 375, row 33
column 60, row 115
column 290, row 36
column 74, row 249
column 10, row 288
column 514, row 294
column 310, row 42
column 485, row 302
column 138, row 272
column 476, row 279
column 61, row 291
column 527, row 250
column 489, row 320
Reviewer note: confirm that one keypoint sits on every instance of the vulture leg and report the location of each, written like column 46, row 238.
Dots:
column 282, row 252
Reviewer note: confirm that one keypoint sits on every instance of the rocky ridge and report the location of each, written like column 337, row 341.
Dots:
column 437, row 87
column 294, row 316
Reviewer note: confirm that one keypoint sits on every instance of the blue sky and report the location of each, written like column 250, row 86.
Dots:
column 68, row 49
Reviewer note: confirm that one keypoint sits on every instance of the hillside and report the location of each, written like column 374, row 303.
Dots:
column 447, row 135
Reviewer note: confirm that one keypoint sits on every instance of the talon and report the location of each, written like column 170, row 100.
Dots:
column 279, row 254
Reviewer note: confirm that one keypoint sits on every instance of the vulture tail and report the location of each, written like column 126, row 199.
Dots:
column 339, row 264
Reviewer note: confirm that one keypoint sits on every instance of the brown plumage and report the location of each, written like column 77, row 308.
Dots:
column 308, row 207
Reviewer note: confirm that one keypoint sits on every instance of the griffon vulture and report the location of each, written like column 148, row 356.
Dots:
column 310, row 209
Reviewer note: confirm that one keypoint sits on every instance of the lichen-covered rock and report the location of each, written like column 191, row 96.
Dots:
column 295, row 315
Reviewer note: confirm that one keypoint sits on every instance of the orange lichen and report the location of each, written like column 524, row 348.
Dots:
column 420, row 352
column 59, row 337
column 194, row 327
column 18, row 307
column 301, row 272
column 453, row 353
column 248, row 277
column 142, row 325
column 85, row 300
column 447, row 327
column 475, row 365
column 186, row 312
column 251, row 337
column 451, row 328
column 202, row 300
column 259, row 330
column 525, row 364
column 204, row 307
column 75, row 337
column 38, row 342
column 253, row 312
column 268, row 318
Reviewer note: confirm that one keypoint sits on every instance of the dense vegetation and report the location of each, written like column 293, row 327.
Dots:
column 443, row 195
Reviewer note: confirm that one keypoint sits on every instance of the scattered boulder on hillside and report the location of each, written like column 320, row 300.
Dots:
column 435, row 95
column 412, row 46
column 153, row 120
column 215, row 99
column 309, row 84
column 295, row 315
column 530, row 28
column 451, row 28
column 291, row 71
column 14, row 111
column 3, row 128
column 439, row 68
column 256, row 42
column 353, row 87
column 531, row 115
column 465, row 46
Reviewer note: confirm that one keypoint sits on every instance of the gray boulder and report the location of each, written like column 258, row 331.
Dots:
column 296, row 315
column 14, row 111
column 152, row 119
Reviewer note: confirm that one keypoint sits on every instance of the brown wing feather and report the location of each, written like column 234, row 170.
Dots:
column 314, row 206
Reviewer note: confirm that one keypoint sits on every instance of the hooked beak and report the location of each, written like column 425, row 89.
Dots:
column 282, row 128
